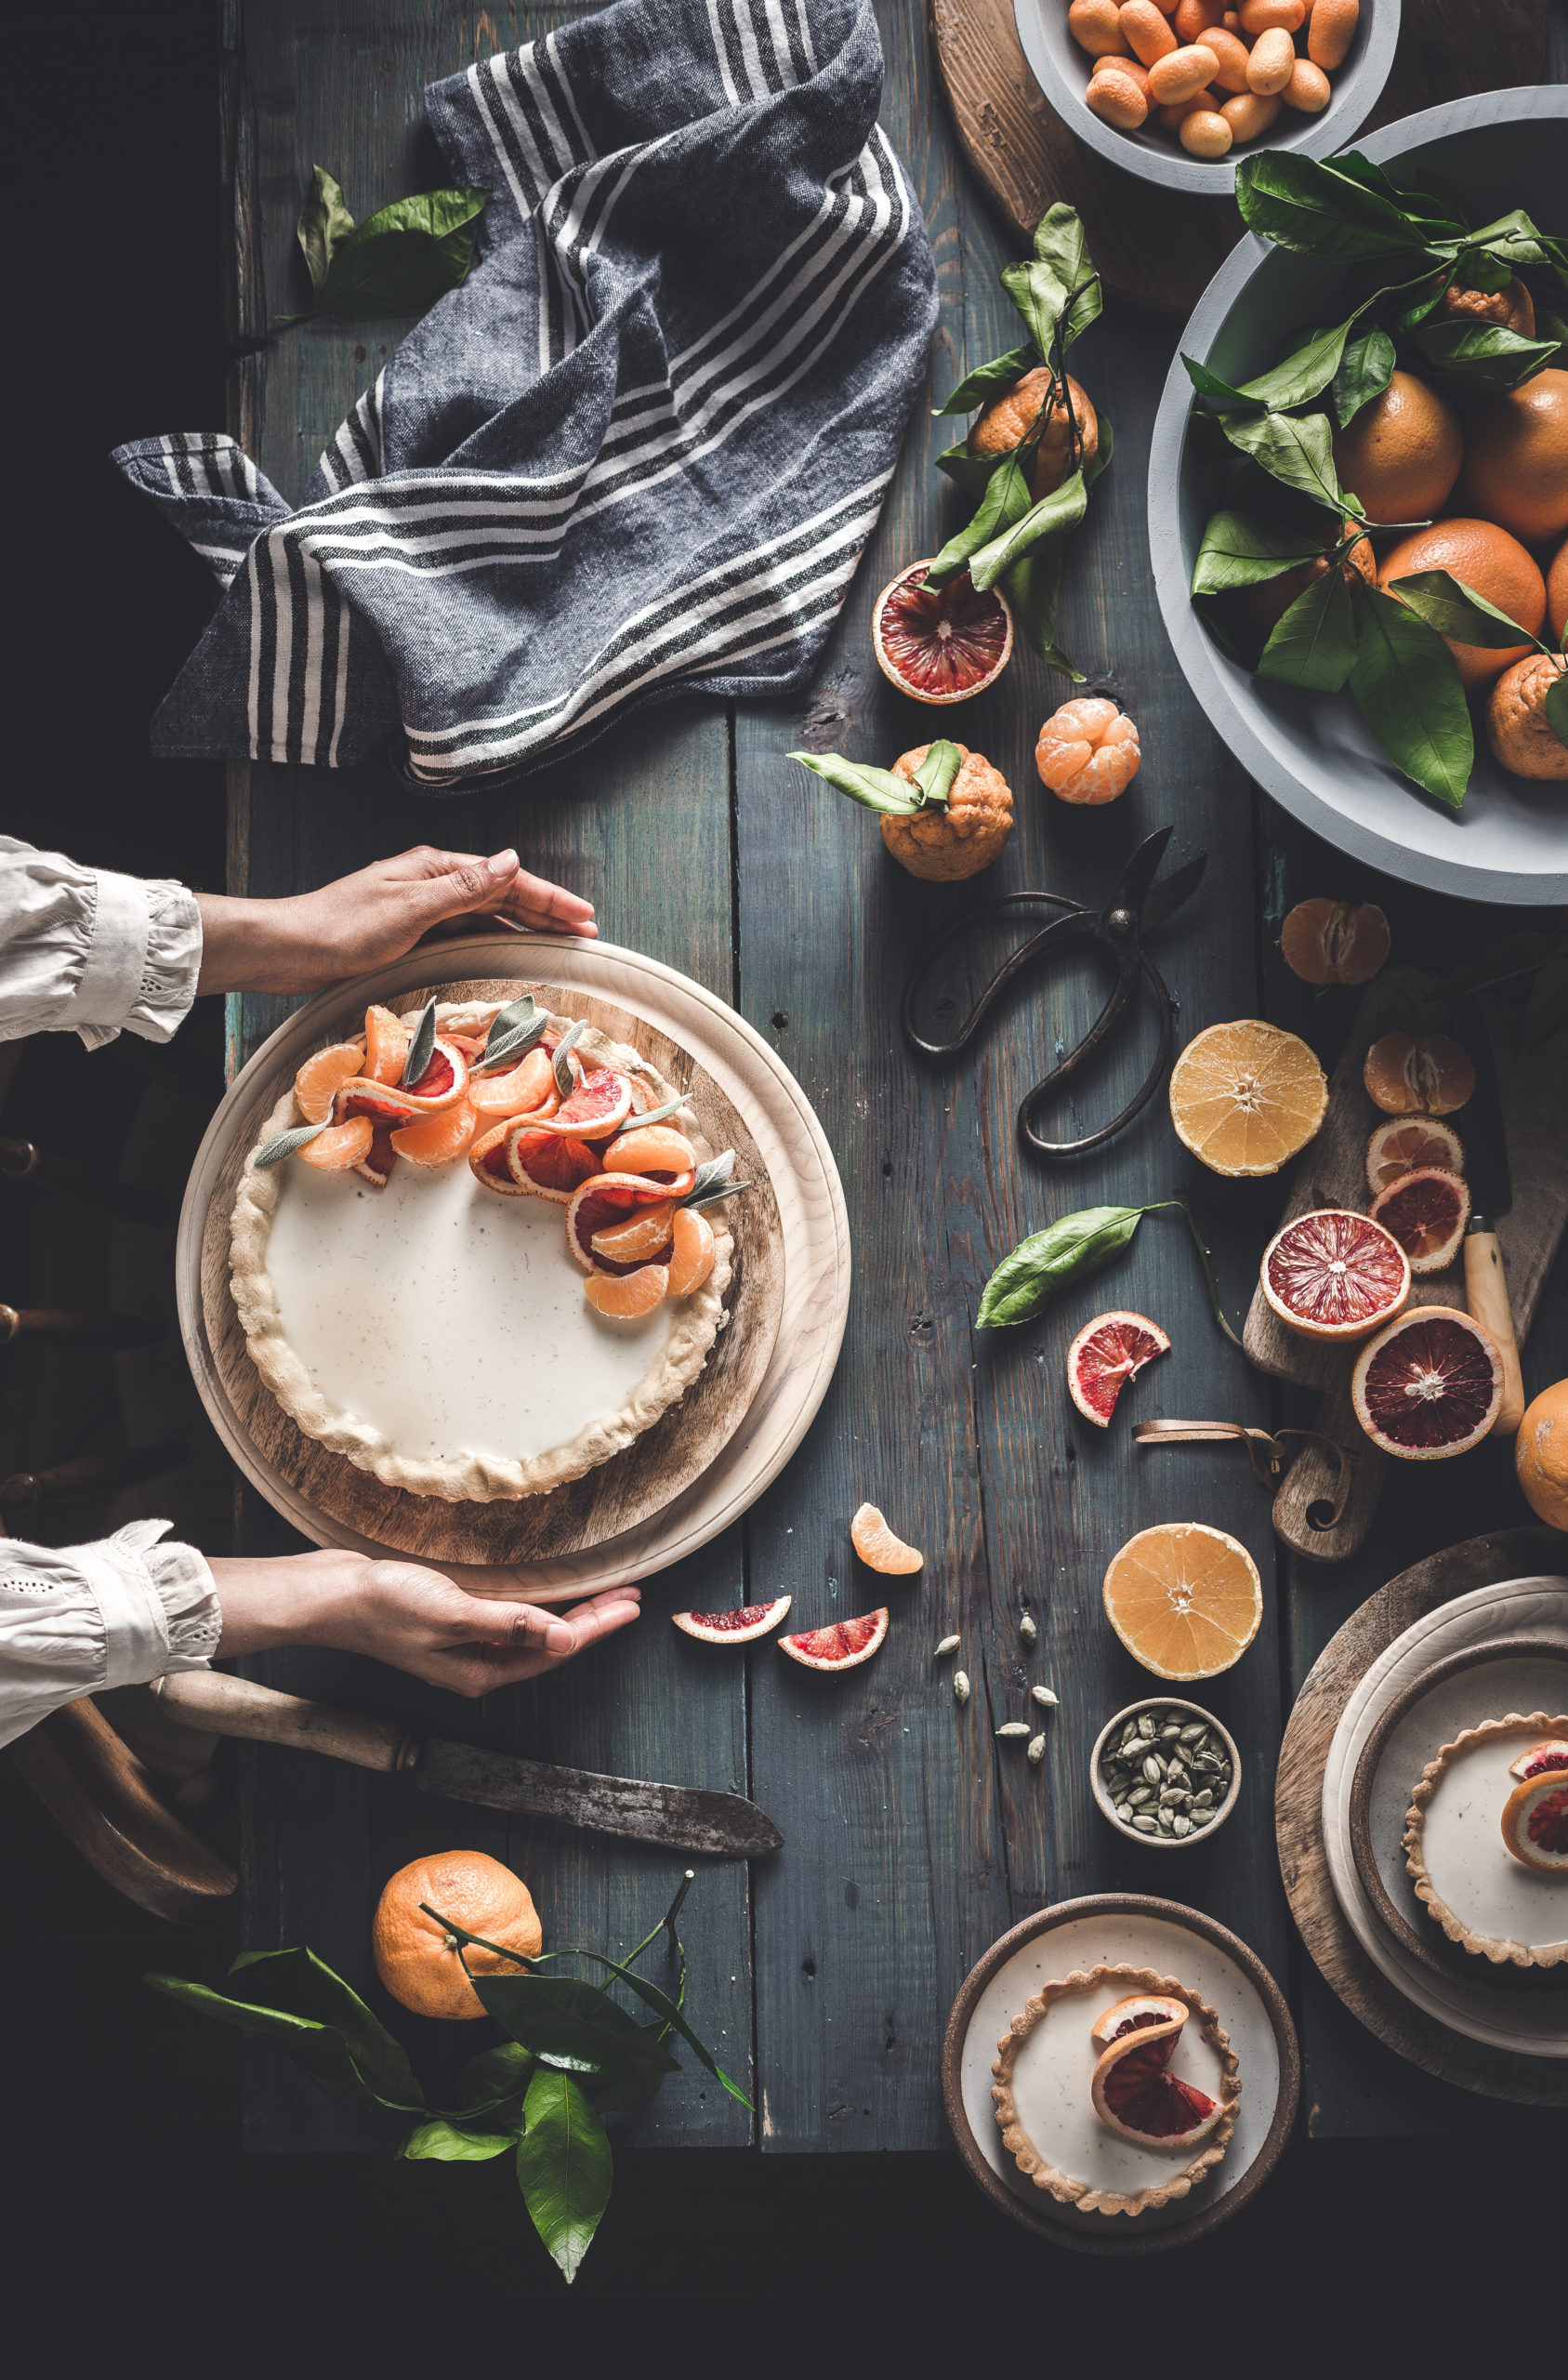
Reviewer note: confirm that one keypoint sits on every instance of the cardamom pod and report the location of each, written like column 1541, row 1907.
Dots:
column 1027, row 1630
column 1204, row 1801
column 1190, row 1733
column 1201, row 1818
column 1138, row 1795
column 948, row 1645
column 1036, row 1749
column 1044, row 1697
column 1145, row 1824
column 1152, row 1769
column 1181, row 1826
column 1167, row 1821
column 1014, row 1727
column 1146, row 1728
column 960, row 1685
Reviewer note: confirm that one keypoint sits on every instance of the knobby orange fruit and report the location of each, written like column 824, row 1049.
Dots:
column 1521, row 736
column 418, row 1961
column 945, row 843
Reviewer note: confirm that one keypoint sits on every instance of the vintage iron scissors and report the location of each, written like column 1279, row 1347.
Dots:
column 1136, row 908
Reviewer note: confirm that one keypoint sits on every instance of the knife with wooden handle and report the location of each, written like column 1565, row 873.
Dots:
column 687, row 1818
column 1486, row 1165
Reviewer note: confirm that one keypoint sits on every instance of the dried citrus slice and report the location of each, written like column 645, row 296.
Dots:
column 1133, row 2091
column 627, row 1296
column 1335, row 1275
column 657, row 1154
column 646, row 1233
column 528, row 1089
column 438, row 1140
column 599, row 1204
column 319, row 1078
column 1333, row 942
column 1427, row 1211
column 1417, row 1073
column 741, row 1627
column 1105, row 1356
column 694, row 1251
column 543, row 1162
column 1428, row 1385
column 1540, row 1760
column 1397, row 1148
column 1536, row 1823
column 842, row 1645
column 386, row 1046
column 596, row 1108
column 879, row 1548
column 1185, row 1599
column 942, row 645
column 1245, row 1097
column 341, row 1147
column 487, row 1163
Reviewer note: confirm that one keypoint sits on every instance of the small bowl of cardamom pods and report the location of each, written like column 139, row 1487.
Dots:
column 1165, row 1773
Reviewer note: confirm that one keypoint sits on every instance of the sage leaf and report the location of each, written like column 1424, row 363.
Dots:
column 1050, row 520
column 421, row 1049
column 1313, row 644
column 1044, row 1263
column 1483, row 354
column 564, row 2168
column 404, row 257
column 1364, row 372
column 1005, row 500
column 1545, row 1010
column 873, row 788
column 1302, row 204
column 1032, row 587
column 452, row 2144
column 500, row 1056
column 1407, row 690
column 1300, row 454
column 324, row 220
column 1244, row 548
column 509, row 1020
column 712, row 1175
column 1456, row 610
column 564, row 1077
column 935, row 775
column 283, row 1144
column 988, row 380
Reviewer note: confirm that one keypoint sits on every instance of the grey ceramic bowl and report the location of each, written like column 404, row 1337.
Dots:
column 1154, row 1700
column 1312, row 753
column 1062, row 70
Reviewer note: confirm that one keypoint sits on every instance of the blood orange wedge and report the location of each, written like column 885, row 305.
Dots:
column 1427, row 1211
column 1334, row 942
column 341, row 1145
column 943, row 644
column 438, row 1140
column 527, row 1090
column 842, row 1645
column 695, row 1250
column 1404, row 1143
column 1417, row 1073
column 596, row 1108
column 487, row 1163
column 627, row 1296
column 443, row 1081
column 375, row 1165
column 741, row 1627
column 386, row 1046
column 543, row 1162
column 1185, row 1599
column 1540, row 1760
column 1133, row 2091
column 1535, row 1824
column 1245, row 1097
column 1104, row 1357
column 879, row 1549
column 316, row 1084
column 1428, row 1385
column 1335, row 1275
column 601, row 1205
column 1140, row 2010
column 376, row 1101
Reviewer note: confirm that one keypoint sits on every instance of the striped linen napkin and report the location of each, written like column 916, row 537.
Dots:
column 639, row 451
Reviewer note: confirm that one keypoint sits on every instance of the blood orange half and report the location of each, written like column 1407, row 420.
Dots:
column 1428, row 1385
column 941, row 644
column 1535, row 1824
column 741, row 1627
column 1105, row 1356
column 1541, row 1759
column 842, row 1645
column 1427, row 1211
column 1335, row 1275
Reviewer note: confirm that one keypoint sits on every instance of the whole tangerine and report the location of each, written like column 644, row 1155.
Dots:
column 1495, row 565
column 943, row 844
column 1556, row 592
column 418, row 1961
column 1005, row 420
column 1401, row 455
column 1516, row 458
column 1540, row 1455
column 1512, row 308
column 1521, row 736
column 1088, row 751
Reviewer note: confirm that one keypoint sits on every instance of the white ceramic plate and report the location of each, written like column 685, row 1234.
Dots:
column 1536, row 2026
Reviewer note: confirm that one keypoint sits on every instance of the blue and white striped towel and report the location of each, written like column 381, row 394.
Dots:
column 637, row 452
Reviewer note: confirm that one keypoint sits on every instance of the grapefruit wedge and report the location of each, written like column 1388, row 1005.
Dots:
column 1106, row 1354
column 741, row 1627
column 842, row 1645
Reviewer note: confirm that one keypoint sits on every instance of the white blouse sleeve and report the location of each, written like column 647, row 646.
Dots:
column 84, row 950
column 75, row 1620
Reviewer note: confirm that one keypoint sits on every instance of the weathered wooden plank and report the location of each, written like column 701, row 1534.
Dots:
column 641, row 827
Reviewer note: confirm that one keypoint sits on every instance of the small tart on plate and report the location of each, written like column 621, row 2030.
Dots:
column 1080, row 2076
column 1486, row 1843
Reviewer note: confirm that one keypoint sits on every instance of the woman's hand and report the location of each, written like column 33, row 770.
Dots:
column 312, row 939
column 409, row 1617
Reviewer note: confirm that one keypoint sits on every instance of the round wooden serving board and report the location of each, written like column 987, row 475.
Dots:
column 1366, row 1992
column 1158, row 250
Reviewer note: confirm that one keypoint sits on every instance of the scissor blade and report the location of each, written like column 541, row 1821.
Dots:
column 1166, row 898
column 1132, row 886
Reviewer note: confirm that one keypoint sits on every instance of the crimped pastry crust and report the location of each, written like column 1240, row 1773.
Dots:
column 1084, row 2195
column 1499, row 1949
column 470, row 1478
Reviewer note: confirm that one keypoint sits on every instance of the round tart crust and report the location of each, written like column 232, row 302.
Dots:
column 1085, row 2195
column 468, row 1478
column 1500, row 1950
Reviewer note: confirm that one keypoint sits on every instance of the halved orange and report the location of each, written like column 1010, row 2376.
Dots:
column 627, row 1295
column 319, row 1078
column 1246, row 1097
column 386, row 1046
column 436, row 1139
column 341, row 1145
column 1185, row 1599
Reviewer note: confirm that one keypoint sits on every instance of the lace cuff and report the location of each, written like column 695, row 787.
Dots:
column 77, row 1620
column 88, row 951
column 172, row 964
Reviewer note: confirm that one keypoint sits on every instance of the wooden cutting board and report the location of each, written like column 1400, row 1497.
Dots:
column 1332, row 1172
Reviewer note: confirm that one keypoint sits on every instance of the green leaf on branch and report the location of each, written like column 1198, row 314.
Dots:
column 971, row 472
column 1005, row 499
column 1246, row 549
column 1302, row 204
column 1407, row 690
column 873, row 788
column 571, row 2026
column 1048, row 521
column 310, row 2011
column 324, row 221
column 491, row 2087
column 404, row 257
column 1306, row 372
column 1485, row 355
column 1448, row 605
column 453, row 2143
column 1065, row 1250
column 564, row 2168
column 1364, row 372
column 1060, row 286
column 1300, row 454
column 936, row 771
column 1032, row 587
column 988, row 380
column 1313, row 644
column 1218, row 392
column 665, row 2007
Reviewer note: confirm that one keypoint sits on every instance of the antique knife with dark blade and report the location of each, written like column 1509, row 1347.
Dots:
column 1486, row 1168
column 687, row 1818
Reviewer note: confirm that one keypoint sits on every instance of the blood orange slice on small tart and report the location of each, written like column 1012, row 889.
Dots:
column 319, row 1080
column 741, row 1627
column 1139, row 2009
column 1404, row 1144
column 542, row 1161
column 1541, row 1760
column 694, row 1251
column 842, row 1645
column 1105, row 1356
column 1427, row 1211
column 340, row 1146
column 1428, row 1385
column 487, row 1163
column 1135, row 2095
column 1535, row 1824
column 627, row 1296
column 941, row 644
column 375, row 1165
column 1417, row 1073
column 527, row 1088
column 1335, row 1275
column 879, row 1549
column 438, row 1140
column 601, row 1205
column 386, row 1046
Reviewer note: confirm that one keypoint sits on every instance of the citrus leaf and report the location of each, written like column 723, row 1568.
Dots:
column 1049, row 519
column 1502, row 961
column 935, row 775
column 1061, row 245
column 1364, row 372
column 1456, row 610
column 421, row 1048
column 1557, row 703
column 1480, row 269
column 1545, row 1010
column 670, row 2011
column 988, row 380
column 324, row 220
column 1314, row 645
column 1005, row 499
column 1407, row 690
column 873, row 788
column 452, row 2144
column 320, row 2023
column 564, row 2168
column 971, row 472
column 1302, row 204
column 1046, row 1262
column 1483, row 354
column 573, row 2027
column 1298, row 454
column 1218, row 392
column 491, row 2087
column 1244, row 549
column 1307, row 372
column 404, row 257
column 1095, row 471
column 1032, row 587
column 283, row 1144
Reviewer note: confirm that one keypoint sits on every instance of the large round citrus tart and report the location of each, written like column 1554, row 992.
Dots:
column 1116, row 2089
column 1486, row 1840
column 479, row 1249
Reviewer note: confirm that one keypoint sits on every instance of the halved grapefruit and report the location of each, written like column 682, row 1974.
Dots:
column 1536, row 1823
column 1541, row 1759
column 879, row 1549
column 741, row 1627
column 940, row 644
column 1106, row 1354
column 1403, row 1144
column 1335, row 1275
column 842, row 1645
column 1427, row 1211
column 1135, row 2097
column 1245, row 1097
column 1428, row 1385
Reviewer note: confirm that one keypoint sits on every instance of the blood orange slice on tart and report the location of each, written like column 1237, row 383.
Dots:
column 375, row 1165
column 1335, row 1275
column 1134, row 2093
column 741, row 1627
column 596, row 1108
column 1536, row 1823
column 605, row 1204
column 1404, row 1144
column 940, row 644
column 842, row 1645
column 1106, row 1354
column 547, row 1164
column 1427, row 1211
column 1541, row 1759
column 487, row 1163
column 1428, row 1385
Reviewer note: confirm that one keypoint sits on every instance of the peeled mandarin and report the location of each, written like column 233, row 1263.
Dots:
column 692, row 1260
column 1095, row 26
column 1233, row 56
column 1330, row 31
column 1307, row 91
column 1271, row 64
column 1117, row 101
column 1271, row 16
column 1249, row 116
column 1145, row 31
column 1182, row 74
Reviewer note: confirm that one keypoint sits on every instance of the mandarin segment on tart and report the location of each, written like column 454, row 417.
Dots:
column 1486, row 1840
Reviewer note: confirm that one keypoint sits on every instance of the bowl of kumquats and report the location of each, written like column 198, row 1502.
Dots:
column 1179, row 90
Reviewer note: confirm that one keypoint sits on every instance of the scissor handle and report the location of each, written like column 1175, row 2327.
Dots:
column 1012, row 966
column 1133, row 961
